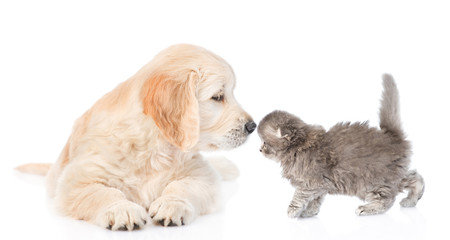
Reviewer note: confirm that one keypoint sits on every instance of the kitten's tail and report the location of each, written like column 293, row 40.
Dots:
column 390, row 109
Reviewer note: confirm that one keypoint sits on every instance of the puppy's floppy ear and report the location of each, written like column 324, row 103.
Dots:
column 171, row 102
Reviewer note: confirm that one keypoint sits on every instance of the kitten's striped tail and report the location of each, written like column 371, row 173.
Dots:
column 390, row 109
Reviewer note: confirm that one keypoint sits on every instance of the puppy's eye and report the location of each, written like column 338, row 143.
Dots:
column 217, row 98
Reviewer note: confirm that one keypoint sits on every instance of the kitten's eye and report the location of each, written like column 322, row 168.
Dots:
column 218, row 98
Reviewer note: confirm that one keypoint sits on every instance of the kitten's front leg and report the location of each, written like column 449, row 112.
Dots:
column 313, row 207
column 301, row 199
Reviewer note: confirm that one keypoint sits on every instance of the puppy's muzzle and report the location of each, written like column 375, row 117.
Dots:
column 250, row 127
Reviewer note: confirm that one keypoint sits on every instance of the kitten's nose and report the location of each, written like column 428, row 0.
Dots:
column 250, row 126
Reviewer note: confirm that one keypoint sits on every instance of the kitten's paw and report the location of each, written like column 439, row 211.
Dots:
column 309, row 213
column 294, row 211
column 122, row 216
column 171, row 211
column 366, row 210
column 407, row 202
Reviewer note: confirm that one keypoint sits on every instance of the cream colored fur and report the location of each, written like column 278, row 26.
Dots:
column 134, row 154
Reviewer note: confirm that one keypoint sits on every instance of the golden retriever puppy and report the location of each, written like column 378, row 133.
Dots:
column 135, row 152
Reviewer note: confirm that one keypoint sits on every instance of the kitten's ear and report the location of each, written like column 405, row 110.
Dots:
column 285, row 135
column 292, row 134
column 278, row 133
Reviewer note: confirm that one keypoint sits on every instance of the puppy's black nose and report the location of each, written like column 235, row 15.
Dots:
column 250, row 126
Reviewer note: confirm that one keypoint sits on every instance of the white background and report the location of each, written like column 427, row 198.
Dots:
column 320, row 60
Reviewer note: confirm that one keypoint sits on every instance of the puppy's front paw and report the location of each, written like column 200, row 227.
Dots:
column 123, row 215
column 171, row 211
column 294, row 211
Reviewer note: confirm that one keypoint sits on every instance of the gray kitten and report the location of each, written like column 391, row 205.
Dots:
column 350, row 158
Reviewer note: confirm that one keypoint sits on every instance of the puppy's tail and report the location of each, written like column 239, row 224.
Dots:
column 35, row 168
column 227, row 170
column 390, row 108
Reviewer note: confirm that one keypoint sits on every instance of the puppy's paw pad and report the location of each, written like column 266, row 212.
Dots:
column 122, row 216
column 406, row 202
column 170, row 211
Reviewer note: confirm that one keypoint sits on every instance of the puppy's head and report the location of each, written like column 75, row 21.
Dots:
column 280, row 131
column 189, row 95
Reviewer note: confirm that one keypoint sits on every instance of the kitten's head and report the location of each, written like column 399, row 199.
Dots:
column 280, row 131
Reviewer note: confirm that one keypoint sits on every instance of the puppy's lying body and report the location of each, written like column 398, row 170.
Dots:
column 352, row 159
column 135, row 152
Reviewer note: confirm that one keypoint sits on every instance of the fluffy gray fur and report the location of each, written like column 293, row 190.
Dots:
column 350, row 158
